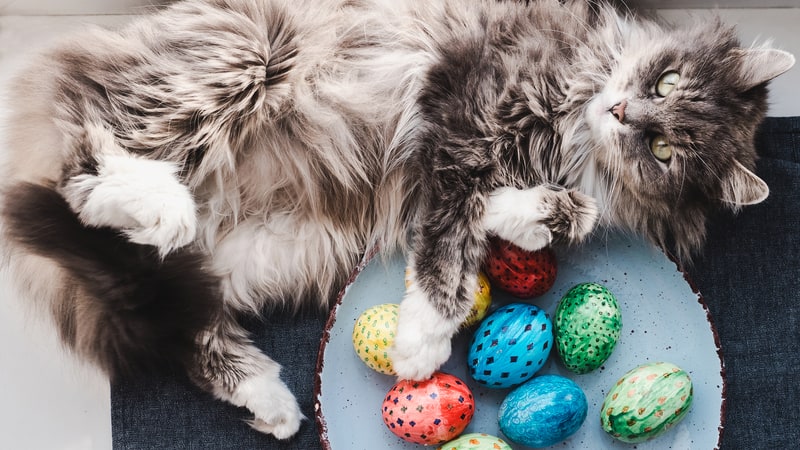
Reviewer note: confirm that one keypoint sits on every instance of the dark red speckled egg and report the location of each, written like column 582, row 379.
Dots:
column 520, row 272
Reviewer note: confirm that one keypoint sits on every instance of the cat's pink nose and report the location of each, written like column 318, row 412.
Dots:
column 618, row 110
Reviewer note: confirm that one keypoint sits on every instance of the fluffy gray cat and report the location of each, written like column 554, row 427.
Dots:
column 220, row 157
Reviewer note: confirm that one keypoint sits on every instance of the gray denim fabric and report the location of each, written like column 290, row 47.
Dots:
column 749, row 275
column 169, row 413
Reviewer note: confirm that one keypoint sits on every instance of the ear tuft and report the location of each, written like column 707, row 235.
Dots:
column 743, row 188
column 759, row 65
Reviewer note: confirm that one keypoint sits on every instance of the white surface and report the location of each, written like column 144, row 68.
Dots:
column 75, row 7
column 48, row 400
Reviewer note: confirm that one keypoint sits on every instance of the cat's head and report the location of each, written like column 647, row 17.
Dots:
column 674, row 127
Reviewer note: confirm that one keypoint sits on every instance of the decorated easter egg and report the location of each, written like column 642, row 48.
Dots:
column 542, row 412
column 476, row 441
column 646, row 402
column 510, row 345
column 520, row 272
column 587, row 325
column 428, row 412
column 483, row 299
column 373, row 335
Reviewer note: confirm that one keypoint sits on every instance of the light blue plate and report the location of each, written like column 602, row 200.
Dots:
column 663, row 319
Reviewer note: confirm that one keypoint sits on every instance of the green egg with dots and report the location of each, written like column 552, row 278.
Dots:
column 646, row 402
column 587, row 326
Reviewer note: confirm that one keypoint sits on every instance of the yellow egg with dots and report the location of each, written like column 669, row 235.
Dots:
column 483, row 299
column 373, row 335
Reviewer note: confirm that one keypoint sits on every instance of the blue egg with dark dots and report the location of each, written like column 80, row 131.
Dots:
column 543, row 412
column 510, row 345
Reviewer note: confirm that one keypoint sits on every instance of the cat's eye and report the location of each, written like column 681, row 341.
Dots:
column 666, row 83
column 661, row 148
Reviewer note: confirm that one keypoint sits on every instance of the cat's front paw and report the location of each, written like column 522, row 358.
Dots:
column 143, row 198
column 275, row 408
column 416, row 355
column 168, row 223
column 532, row 218
column 422, row 342
column 573, row 215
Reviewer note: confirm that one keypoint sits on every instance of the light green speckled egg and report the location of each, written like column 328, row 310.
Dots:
column 476, row 441
column 587, row 324
column 646, row 402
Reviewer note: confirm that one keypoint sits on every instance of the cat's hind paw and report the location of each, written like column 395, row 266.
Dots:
column 275, row 408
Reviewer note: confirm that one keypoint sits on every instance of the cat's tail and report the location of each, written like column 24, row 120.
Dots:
column 120, row 305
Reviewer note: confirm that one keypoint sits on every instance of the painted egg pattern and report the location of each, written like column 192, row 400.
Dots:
column 520, row 272
column 646, row 402
column 587, row 327
column 476, row 441
column 373, row 335
column 542, row 412
column 428, row 412
column 510, row 345
column 483, row 299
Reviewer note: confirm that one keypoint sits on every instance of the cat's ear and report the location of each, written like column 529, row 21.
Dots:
column 759, row 65
column 743, row 187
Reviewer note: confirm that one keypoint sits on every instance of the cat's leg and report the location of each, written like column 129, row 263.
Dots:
column 448, row 249
column 142, row 197
column 425, row 327
column 229, row 366
column 532, row 218
column 263, row 264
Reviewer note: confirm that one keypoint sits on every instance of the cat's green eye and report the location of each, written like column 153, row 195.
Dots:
column 661, row 148
column 667, row 83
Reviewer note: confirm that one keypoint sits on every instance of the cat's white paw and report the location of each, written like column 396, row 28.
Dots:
column 578, row 215
column 141, row 197
column 518, row 216
column 532, row 218
column 422, row 342
column 416, row 355
column 168, row 224
column 275, row 408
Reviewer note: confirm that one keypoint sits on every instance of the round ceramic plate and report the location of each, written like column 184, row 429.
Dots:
column 663, row 319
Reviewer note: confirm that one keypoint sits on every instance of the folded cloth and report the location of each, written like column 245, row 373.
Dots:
column 168, row 412
column 748, row 274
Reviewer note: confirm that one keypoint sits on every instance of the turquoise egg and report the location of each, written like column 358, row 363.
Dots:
column 510, row 345
column 543, row 412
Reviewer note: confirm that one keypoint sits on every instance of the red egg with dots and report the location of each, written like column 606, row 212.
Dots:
column 428, row 412
column 520, row 272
